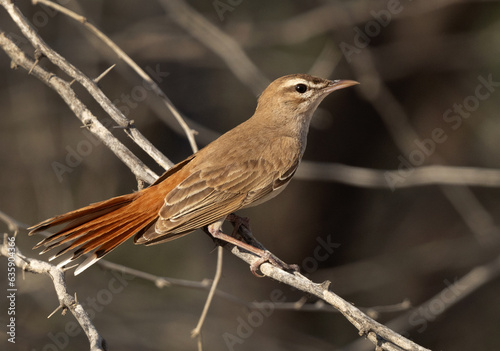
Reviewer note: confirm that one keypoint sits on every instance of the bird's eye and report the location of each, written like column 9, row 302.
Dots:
column 301, row 88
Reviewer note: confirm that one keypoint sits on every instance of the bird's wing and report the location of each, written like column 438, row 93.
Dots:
column 209, row 194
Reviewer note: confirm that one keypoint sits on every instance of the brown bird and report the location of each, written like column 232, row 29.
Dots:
column 246, row 166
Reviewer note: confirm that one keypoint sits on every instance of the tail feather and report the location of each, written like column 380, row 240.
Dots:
column 108, row 246
column 100, row 227
column 80, row 237
column 78, row 218
column 90, row 231
column 84, row 214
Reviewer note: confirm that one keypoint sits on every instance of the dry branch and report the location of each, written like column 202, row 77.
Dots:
column 63, row 88
column 30, row 33
column 377, row 93
column 381, row 336
column 66, row 300
column 126, row 58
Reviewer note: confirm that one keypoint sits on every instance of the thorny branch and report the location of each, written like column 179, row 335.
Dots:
column 121, row 54
column 64, row 89
column 377, row 333
column 362, row 324
column 374, row 331
column 66, row 300
column 30, row 33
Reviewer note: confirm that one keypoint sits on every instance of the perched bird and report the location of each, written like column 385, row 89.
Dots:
column 246, row 166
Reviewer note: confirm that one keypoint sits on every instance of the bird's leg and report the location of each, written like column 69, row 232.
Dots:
column 242, row 227
column 263, row 254
column 245, row 233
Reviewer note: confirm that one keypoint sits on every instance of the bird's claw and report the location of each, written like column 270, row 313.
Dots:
column 275, row 261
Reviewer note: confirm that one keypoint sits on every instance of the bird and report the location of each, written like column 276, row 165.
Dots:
column 246, row 166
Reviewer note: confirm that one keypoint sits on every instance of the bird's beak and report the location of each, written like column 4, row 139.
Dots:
column 339, row 84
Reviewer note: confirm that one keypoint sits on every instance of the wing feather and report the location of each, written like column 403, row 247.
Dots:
column 225, row 184
column 208, row 195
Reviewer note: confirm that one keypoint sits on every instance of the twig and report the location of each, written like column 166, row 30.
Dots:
column 138, row 168
column 447, row 298
column 30, row 33
column 190, row 133
column 66, row 301
column 379, row 334
column 196, row 332
column 217, row 41
column 367, row 326
column 207, row 284
column 418, row 176
column 396, row 120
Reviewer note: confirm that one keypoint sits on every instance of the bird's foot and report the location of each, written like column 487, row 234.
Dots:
column 250, row 244
column 267, row 256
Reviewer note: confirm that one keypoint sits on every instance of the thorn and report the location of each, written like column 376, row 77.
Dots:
column 325, row 285
column 71, row 83
column 87, row 124
column 34, row 65
column 57, row 309
column 38, row 56
column 129, row 125
column 96, row 80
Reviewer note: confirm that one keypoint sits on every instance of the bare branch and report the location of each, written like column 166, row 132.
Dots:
column 379, row 334
column 454, row 293
column 152, row 84
column 66, row 300
column 196, row 332
column 63, row 88
column 418, row 176
column 366, row 325
column 376, row 92
column 30, row 33
column 217, row 41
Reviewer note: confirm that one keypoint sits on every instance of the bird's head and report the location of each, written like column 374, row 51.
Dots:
column 296, row 96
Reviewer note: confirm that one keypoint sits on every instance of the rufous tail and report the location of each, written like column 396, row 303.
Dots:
column 100, row 227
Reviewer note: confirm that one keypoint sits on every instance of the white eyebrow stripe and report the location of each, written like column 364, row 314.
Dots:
column 293, row 82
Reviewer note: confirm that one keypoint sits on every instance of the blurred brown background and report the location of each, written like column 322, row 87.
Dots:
column 415, row 61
